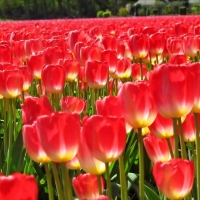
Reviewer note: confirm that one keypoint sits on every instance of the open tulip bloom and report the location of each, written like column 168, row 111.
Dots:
column 100, row 109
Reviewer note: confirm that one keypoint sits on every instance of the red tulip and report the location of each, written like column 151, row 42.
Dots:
column 52, row 55
column 86, row 158
column 18, row 186
column 109, row 42
column 162, row 127
column 32, row 46
column 36, row 63
column 73, row 164
column 96, row 32
column 157, row 149
column 11, row 82
column 139, row 45
column 27, row 77
column 5, row 54
column 34, row 107
column 110, row 57
column 177, row 59
column 135, row 71
column 172, row 87
column 72, row 104
column 105, row 136
column 190, row 46
column 174, row 178
column 32, row 144
column 156, row 43
column 96, row 73
column 86, row 186
column 72, row 68
column 137, row 104
column 53, row 78
column 55, row 134
column 123, row 69
column 180, row 29
column 175, row 45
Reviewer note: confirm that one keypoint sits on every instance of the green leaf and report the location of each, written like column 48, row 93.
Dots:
column 150, row 194
column 131, row 179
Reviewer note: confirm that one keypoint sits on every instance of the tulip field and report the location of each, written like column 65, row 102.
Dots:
column 100, row 109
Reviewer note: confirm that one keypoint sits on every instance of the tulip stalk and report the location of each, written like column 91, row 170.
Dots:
column 49, row 182
column 99, row 184
column 197, row 155
column 176, row 154
column 122, row 178
column 141, row 72
column 109, row 191
column 170, row 147
column 141, row 164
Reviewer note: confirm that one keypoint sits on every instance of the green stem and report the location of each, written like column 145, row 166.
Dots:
column 141, row 71
column 99, row 184
column 93, row 95
column 57, row 181
column 141, row 164
column 5, row 126
column 183, row 149
column 109, row 192
column 66, row 182
column 197, row 155
column 170, row 147
column 49, row 182
column 176, row 154
column 122, row 178
column 156, row 59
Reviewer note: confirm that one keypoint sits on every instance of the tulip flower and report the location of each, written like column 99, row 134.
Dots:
column 178, row 59
column 174, row 178
column 34, row 107
column 86, row 186
column 96, row 73
column 18, row 186
column 73, row 164
column 175, row 45
column 190, row 46
column 139, row 45
column 72, row 104
column 55, row 134
column 32, row 46
column 109, row 42
column 172, row 88
column 53, row 78
column 5, row 54
column 72, row 68
column 135, row 71
column 105, row 136
column 27, row 77
column 137, row 104
column 180, row 29
column 156, row 43
column 11, row 83
column 32, row 144
column 162, row 127
column 86, row 158
column 157, row 149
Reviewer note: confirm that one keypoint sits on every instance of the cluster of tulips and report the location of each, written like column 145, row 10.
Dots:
column 77, row 93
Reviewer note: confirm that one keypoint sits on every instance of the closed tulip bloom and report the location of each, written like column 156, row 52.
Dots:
column 96, row 73
column 109, row 42
column 162, row 127
column 27, row 77
column 196, row 69
column 172, row 88
column 156, row 148
column 180, row 29
column 72, row 68
column 73, row 164
column 72, row 104
column 188, row 127
column 135, row 71
column 123, row 69
column 175, row 45
column 139, row 45
column 5, row 54
column 36, row 64
column 137, row 104
column 174, row 178
column 33, row 107
column 105, row 136
column 86, row 186
column 156, row 43
column 18, row 186
column 53, row 78
column 32, row 144
column 11, row 83
column 32, row 46
column 59, row 135
column 190, row 46
column 110, row 57
column 86, row 158
column 178, row 59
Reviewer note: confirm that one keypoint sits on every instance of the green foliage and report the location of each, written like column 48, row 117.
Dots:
column 100, row 13
column 183, row 10
column 107, row 14
column 155, row 11
column 123, row 12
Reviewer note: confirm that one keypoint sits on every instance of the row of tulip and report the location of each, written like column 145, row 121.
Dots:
column 82, row 96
